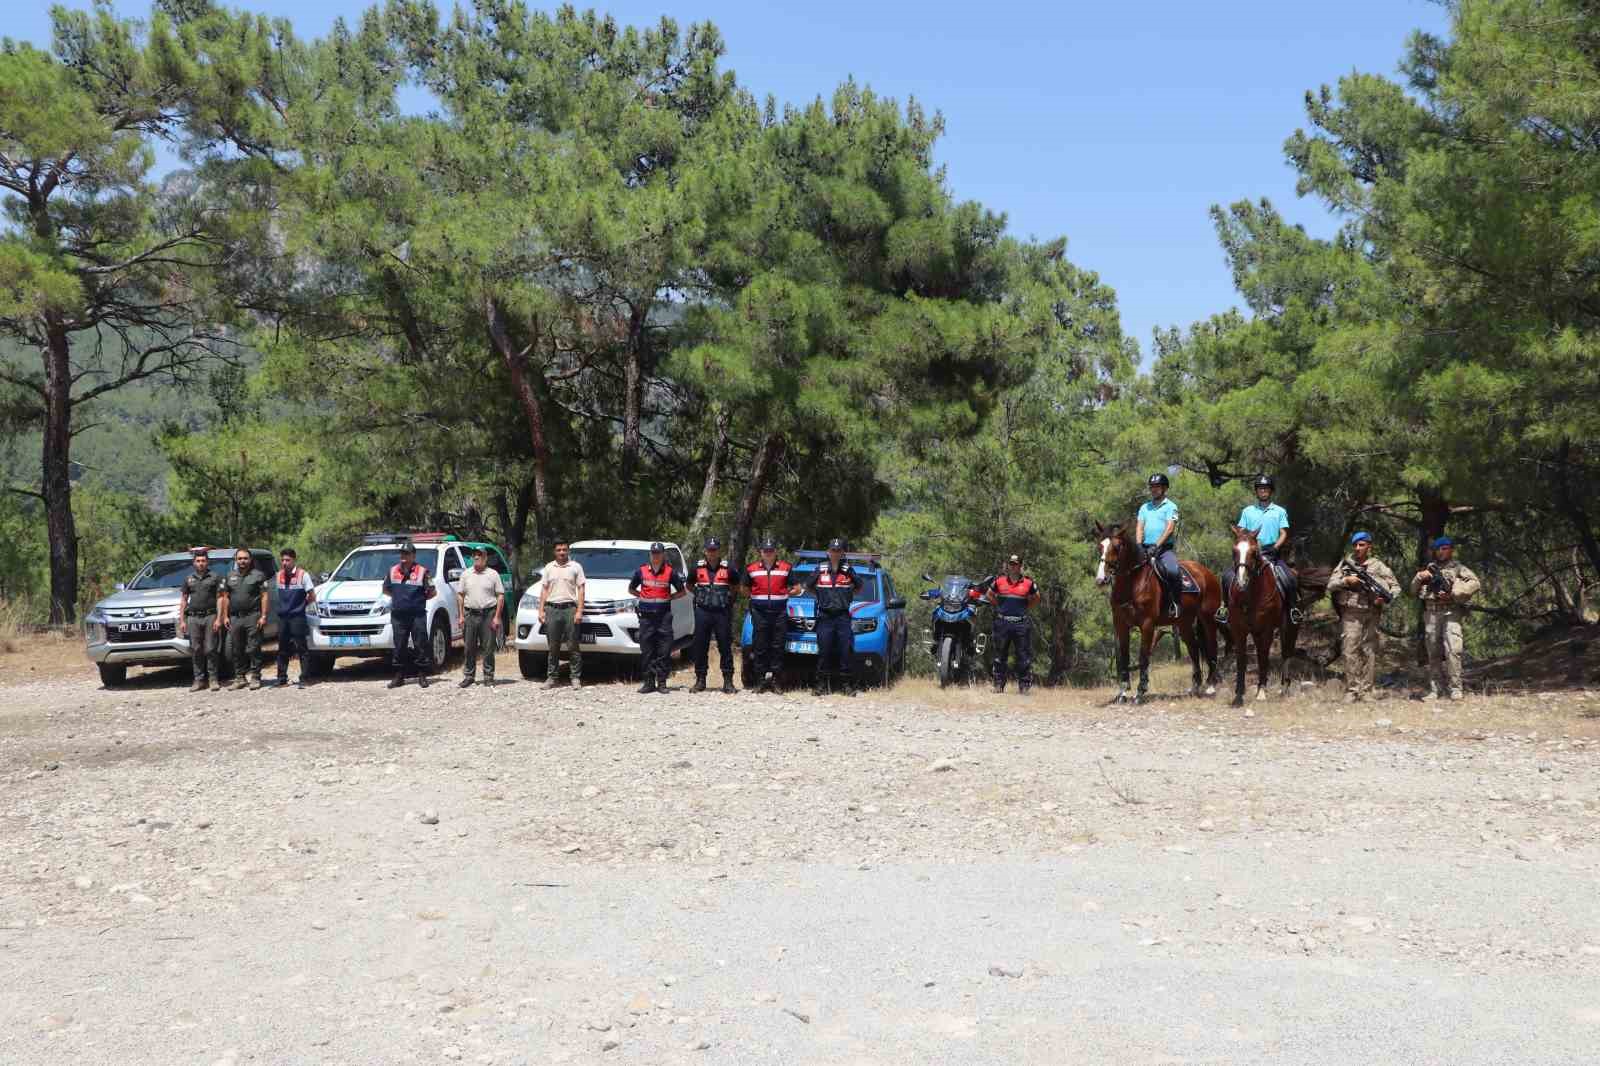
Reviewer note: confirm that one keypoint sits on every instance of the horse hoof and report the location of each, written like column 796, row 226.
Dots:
column 1139, row 699
column 1121, row 697
column 1261, row 695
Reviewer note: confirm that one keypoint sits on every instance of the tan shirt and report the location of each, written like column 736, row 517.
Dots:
column 480, row 591
column 1463, row 585
column 561, row 583
column 1359, row 599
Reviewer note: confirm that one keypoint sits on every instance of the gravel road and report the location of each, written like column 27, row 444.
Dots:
column 348, row 874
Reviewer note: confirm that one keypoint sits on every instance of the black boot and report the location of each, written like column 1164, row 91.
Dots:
column 648, row 686
column 699, row 685
column 727, row 686
column 422, row 681
column 394, row 682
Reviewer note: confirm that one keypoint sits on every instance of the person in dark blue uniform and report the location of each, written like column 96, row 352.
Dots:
column 656, row 584
column 409, row 587
column 833, row 586
column 1013, row 595
column 713, row 584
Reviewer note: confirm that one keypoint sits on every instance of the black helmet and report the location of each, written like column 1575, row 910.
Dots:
column 768, row 544
column 1160, row 479
column 1265, row 481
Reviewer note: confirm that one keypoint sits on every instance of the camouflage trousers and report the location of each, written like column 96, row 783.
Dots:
column 1441, row 628
column 1359, row 640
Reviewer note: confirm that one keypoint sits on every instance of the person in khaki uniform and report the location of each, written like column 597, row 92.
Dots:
column 1362, row 588
column 203, row 592
column 483, row 604
column 1445, row 587
column 246, row 592
column 561, row 612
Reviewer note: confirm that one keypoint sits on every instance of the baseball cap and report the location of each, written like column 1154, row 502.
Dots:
column 1015, row 558
column 1360, row 536
column 200, row 549
column 768, row 544
column 836, row 544
column 657, row 546
column 712, row 542
column 408, row 547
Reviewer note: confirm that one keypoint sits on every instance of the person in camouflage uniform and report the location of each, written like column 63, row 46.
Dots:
column 1445, row 588
column 1360, row 609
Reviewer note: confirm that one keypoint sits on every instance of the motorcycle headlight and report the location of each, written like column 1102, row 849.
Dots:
column 863, row 625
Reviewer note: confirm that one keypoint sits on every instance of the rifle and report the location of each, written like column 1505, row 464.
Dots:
column 1438, row 584
column 1380, row 595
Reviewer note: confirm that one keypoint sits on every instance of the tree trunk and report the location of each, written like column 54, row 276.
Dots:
column 767, row 456
column 633, row 393
column 1062, row 639
column 708, row 492
column 56, row 485
column 1571, row 508
column 516, row 360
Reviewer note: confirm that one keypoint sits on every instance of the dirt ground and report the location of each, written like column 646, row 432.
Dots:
column 350, row 874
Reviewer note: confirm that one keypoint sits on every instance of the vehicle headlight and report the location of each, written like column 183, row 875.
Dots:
column 382, row 606
column 94, row 629
column 322, row 610
column 863, row 625
column 528, row 602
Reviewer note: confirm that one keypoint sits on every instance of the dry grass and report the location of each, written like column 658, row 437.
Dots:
column 13, row 627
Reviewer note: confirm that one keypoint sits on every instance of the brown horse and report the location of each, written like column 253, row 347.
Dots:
column 1136, row 603
column 1256, row 611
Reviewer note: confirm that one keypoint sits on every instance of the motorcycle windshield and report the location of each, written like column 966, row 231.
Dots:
column 954, row 591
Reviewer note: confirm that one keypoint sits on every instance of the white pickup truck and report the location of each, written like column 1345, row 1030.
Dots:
column 351, row 616
column 610, row 622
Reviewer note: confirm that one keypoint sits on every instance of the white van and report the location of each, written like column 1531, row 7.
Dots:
column 610, row 622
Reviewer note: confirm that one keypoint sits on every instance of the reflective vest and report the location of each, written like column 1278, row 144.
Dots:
column 769, row 589
column 1012, row 596
column 655, row 589
column 713, row 587
column 834, row 589
column 408, row 593
column 291, row 593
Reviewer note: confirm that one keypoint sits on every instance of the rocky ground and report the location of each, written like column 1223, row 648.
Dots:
column 348, row 874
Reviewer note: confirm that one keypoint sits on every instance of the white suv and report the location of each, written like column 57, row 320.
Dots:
column 351, row 616
column 610, row 622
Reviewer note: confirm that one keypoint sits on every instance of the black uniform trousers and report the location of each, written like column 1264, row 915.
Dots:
column 294, row 636
column 411, row 645
column 835, row 646
column 1009, row 633
column 655, row 645
column 768, row 628
column 708, row 623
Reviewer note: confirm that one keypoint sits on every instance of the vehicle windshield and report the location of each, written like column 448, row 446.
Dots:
column 372, row 564
column 867, row 593
column 955, row 587
column 169, row 573
column 604, row 563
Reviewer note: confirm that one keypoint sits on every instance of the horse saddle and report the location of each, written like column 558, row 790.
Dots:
column 1187, row 582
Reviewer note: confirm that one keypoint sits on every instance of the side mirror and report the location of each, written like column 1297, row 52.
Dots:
column 322, row 578
column 453, row 574
column 121, row 585
column 535, row 577
column 927, row 577
column 897, row 604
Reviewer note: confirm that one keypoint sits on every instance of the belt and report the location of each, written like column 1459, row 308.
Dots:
column 200, row 614
column 244, row 614
column 477, row 610
column 564, row 603
column 1012, row 617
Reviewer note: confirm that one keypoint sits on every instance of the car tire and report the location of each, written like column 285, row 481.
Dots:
column 112, row 675
column 534, row 665
column 439, row 640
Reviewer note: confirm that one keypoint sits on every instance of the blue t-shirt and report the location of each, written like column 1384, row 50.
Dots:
column 1268, row 520
column 1155, row 517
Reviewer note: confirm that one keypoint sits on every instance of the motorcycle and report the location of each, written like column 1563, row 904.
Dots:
column 955, row 643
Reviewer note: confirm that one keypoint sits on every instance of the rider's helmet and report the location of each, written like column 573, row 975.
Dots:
column 1160, row 479
column 1265, row 482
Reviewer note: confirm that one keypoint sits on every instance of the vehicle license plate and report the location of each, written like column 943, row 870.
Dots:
column 799, row 647
column 350, row 641
column 140, row 627
column 588, row 638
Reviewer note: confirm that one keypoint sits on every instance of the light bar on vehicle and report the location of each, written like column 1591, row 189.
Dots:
column 855, row 557
column 432, row 537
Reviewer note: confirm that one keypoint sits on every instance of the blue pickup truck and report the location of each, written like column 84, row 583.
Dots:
column 878, row 617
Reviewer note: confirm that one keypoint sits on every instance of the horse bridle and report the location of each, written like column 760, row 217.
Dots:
column 1111, row 578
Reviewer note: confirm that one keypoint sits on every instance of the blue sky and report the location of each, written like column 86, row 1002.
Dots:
column 1117, row 126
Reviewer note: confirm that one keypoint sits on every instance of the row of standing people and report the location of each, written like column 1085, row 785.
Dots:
column 1363, row 586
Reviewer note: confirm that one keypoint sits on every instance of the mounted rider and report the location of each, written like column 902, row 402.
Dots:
column 1270, row 523
column 1156, row 531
